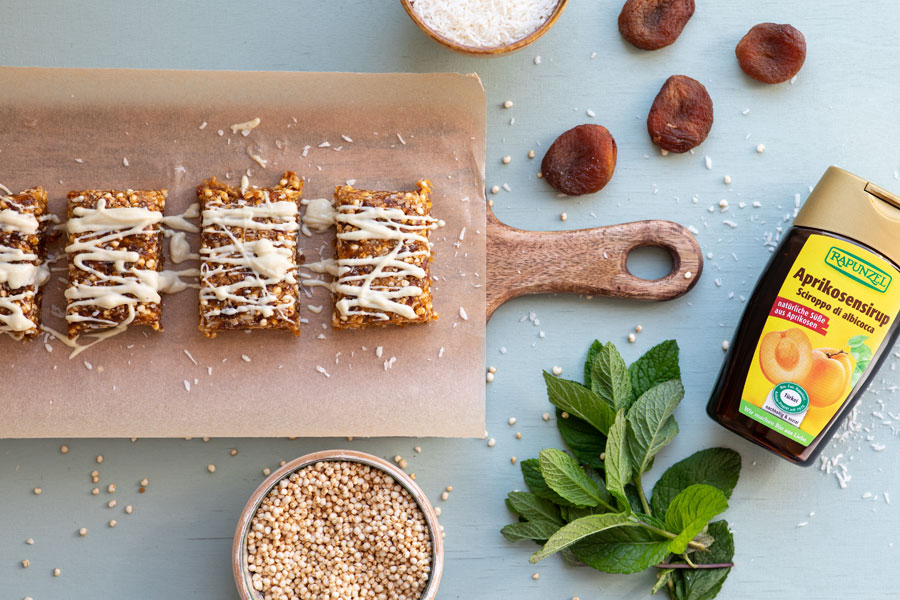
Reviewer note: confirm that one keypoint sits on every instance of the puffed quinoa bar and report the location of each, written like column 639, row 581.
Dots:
column 120, row 252
column 400, row 228
column 248, row 252
column 23, row 246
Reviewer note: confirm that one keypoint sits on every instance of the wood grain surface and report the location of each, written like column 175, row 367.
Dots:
column 587, row 261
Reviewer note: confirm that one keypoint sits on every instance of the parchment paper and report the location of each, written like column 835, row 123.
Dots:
column 134, row 384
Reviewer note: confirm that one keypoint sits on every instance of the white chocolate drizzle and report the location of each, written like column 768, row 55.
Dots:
column 361, row 294
column 18, row 222
column 179, row 248
column 319, row 215
column 245, row 127
column 271, row 263
column 170, row 282
column 128, row 285
column 180, row 223
column 19, row 270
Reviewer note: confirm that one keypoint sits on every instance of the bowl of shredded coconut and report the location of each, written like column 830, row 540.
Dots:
column 484, row 27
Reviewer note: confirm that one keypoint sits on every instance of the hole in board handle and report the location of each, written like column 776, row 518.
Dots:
column 649, row 263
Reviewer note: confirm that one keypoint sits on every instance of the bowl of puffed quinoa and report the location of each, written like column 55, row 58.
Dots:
column 338, row 524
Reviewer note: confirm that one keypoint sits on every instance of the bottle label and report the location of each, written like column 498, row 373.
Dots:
column 831, row 315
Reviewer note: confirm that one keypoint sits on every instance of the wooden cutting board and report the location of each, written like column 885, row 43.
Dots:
column 77, row 129
column 586, row 261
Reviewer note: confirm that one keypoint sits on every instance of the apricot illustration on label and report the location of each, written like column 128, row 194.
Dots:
column 786, row 356
column 829, row 378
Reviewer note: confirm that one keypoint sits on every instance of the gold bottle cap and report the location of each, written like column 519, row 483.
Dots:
column 852, row 207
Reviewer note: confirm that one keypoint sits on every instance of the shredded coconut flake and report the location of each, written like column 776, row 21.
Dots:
column 190, row 356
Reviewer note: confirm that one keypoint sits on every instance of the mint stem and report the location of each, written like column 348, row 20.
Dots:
column 640, row 490
column 700, row 566
column 672, row 536
column 662, row 579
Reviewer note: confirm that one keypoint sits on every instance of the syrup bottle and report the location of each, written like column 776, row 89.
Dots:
column 820, row 322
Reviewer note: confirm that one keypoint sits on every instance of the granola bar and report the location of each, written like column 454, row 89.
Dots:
column 115, row 255
column 23, row 237
column 248, row 253
column 383, row 253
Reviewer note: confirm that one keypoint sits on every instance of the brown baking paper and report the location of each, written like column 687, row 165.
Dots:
column 403, row 127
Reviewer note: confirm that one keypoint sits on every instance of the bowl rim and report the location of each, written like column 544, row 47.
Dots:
column 486, row 51
column 238, row 549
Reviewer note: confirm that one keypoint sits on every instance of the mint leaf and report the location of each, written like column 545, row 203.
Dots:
column 583, row 439
column 857, row 340
column 861, row 353
column 690, row 511
column 566, row 477
column 618, row 461
column 622, row 550
column 589, row 362
column 718, row 467
column 532, row 508
column 651, row 424
column 577, row 400
column 573, row 513
column 658, row 365
column 704, row 584
column 531, row 473
column 610, row 379
column 578, row 530
column 530, row 530
column 600, row 479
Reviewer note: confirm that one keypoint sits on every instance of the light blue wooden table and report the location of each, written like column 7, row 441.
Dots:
column 843, row 109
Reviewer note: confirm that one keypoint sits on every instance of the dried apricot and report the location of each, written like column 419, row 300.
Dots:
column 654, row 24
column 771, row 53
column 581, row 160
column 681, row 115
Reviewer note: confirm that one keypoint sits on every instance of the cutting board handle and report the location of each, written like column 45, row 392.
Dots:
column 586, row 261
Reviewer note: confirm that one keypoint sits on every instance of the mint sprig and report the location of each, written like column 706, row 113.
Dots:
column 591, row 506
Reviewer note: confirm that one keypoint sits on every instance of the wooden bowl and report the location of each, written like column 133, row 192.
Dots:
column 481, row 51
column 239, row 546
